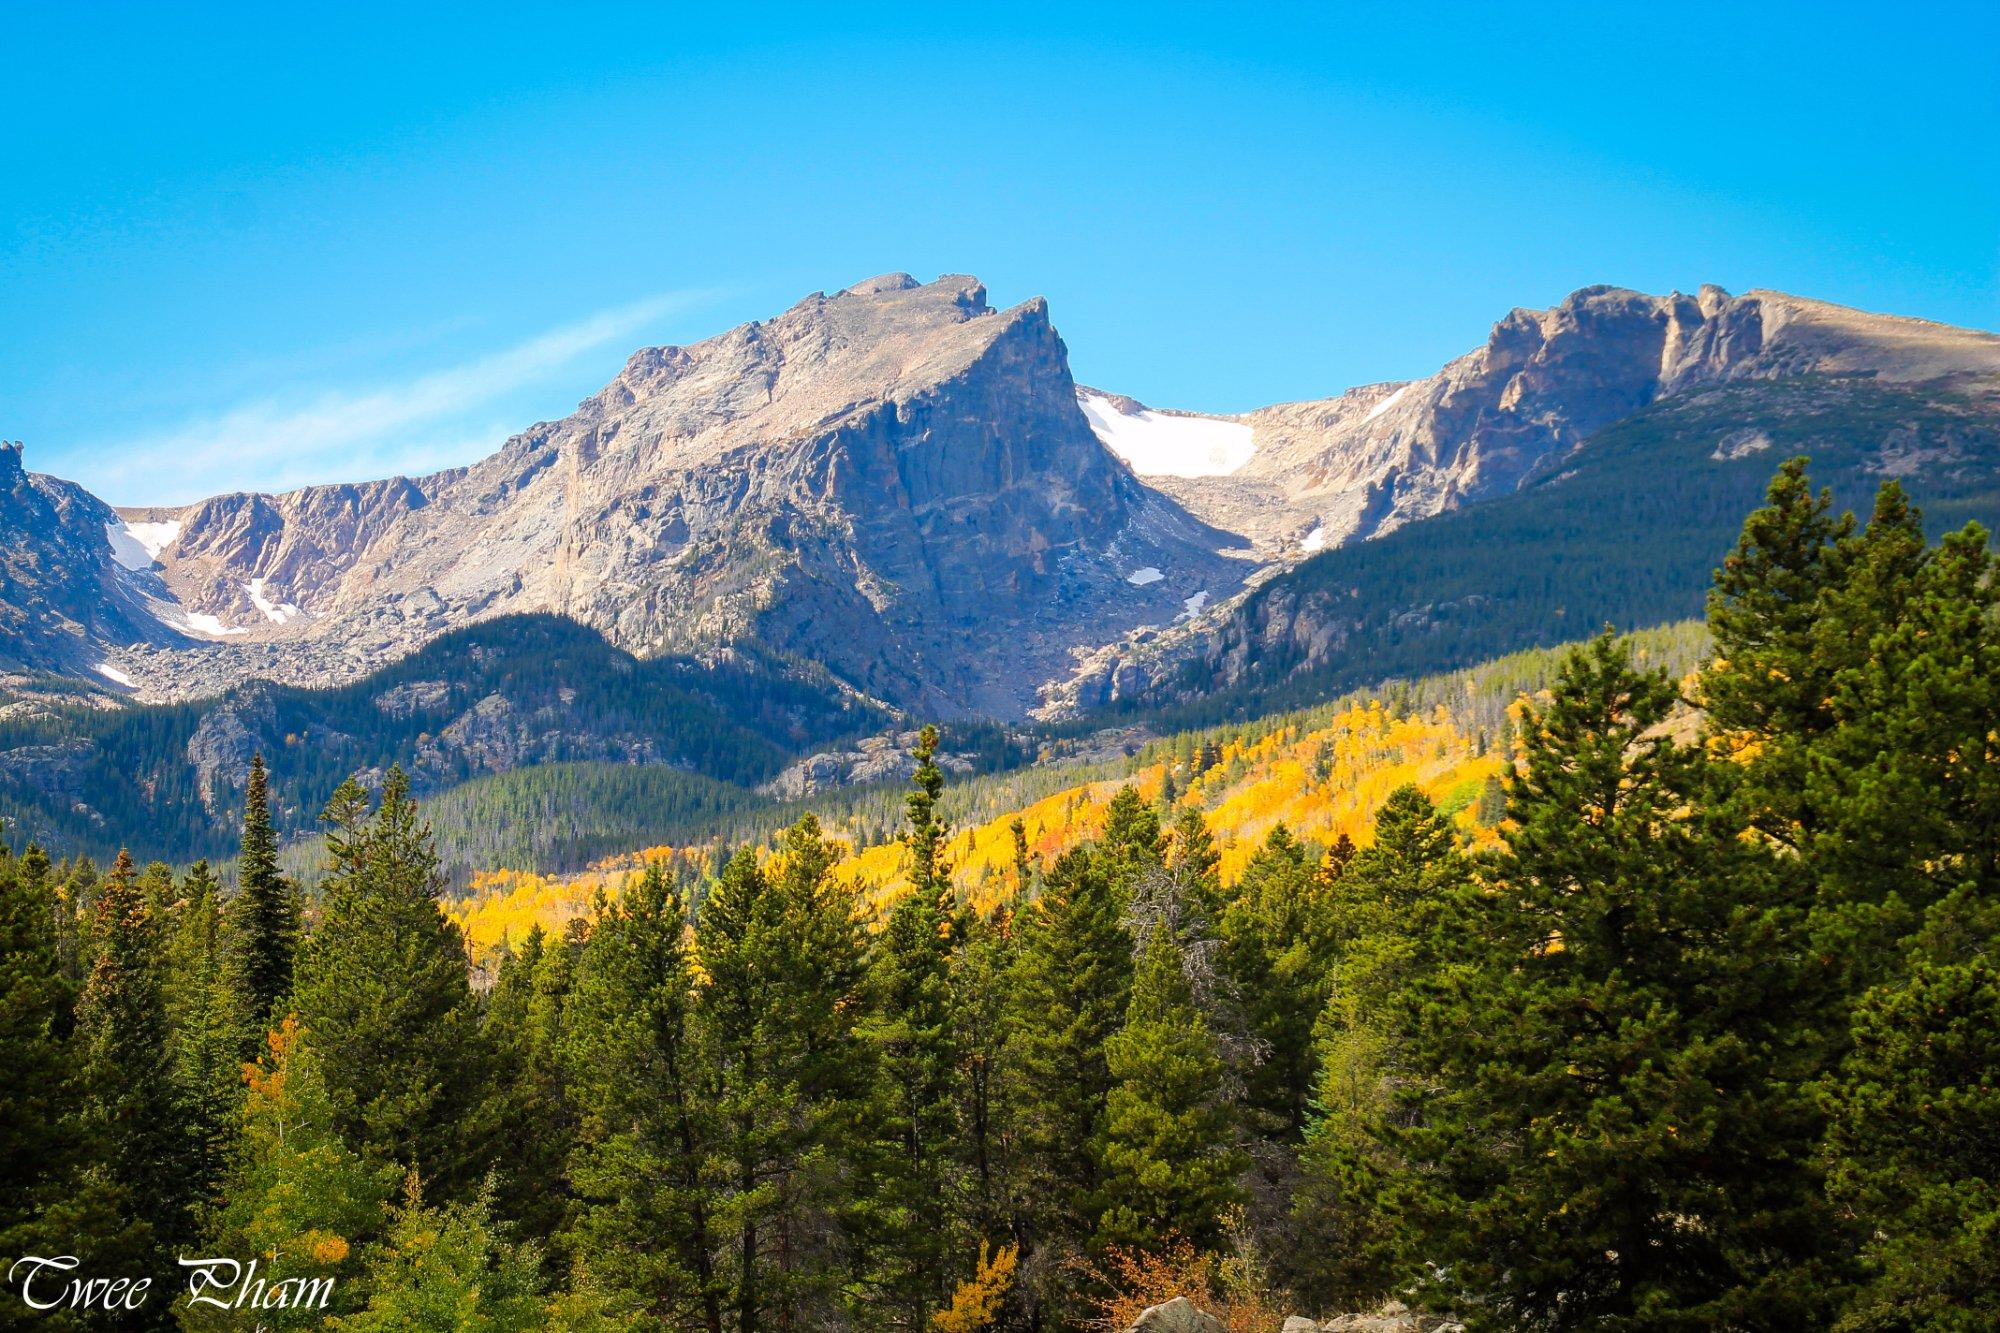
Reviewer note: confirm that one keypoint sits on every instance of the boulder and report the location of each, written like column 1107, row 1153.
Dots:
column 1178, row 1315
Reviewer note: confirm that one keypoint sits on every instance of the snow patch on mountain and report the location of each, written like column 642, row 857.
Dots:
column 201, row 622
column 1164, row 444
column 1139, row 578
column 279, row 612
column 137, row 545
column 1386, row 404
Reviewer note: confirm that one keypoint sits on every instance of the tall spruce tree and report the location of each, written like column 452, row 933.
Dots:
column 37, row 1113
column 646, row 1230
column 926, row 833
column 526, row 1024
column 915, row 1033
column 1278, row 938
column 979, row 982
column 1068, row 990
column 1391, row 917
column 383, row 997
column 1616, row 1138
column 1767, row 694
column 1195, row 862
column 1907, row 779
column 263, row 917
column 1132, row 842
column 1913, row 1151
column 125, row 1048
column 1168, row 1141
column 58, row 1197
column 783, row 960
column 205, row 1022
column 1024, row 861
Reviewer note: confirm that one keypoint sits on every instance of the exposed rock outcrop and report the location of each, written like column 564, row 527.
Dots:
column 895, row 481
column 886, row 758
column 1178, row 1315
column 65, row 602
column 1711, row 389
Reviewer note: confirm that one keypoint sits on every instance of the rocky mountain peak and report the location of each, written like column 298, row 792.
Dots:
column 886, row 282
column 1325, row 471
column 898, row 481
column 894, row 480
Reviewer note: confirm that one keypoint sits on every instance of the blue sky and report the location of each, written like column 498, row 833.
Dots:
column 262, row 245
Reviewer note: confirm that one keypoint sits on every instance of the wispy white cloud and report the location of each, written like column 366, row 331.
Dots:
column 435, row 419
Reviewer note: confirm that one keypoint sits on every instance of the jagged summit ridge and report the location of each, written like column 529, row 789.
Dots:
column 1325, row 471
column 894, row 480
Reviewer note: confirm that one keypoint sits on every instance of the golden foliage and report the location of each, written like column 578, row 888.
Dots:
column 501, row 907
column 1319, row 782
column 325, row 1248
column 1364, row 754
column 266, row 1079
column 976, row 1303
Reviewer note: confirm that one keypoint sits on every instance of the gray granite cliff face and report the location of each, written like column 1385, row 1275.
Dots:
column 894, row 480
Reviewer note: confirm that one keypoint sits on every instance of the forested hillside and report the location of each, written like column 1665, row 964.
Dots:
column 506, row 694
column 1662, row 998
column 1320, row 771
column 1621, row 530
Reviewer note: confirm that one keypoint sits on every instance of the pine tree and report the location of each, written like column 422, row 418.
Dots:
column 263, row 917
column 77, row 887
column 383, row 997
column 1392, row 913
column 56, row 1200
column 1194, row 860
column 1024, row 863
column 1907, row 780
column 1167, row 1144
column 1765, row 693
column 930, row 874
column 1067, row 993
column 125, row 1047
column 1278, row 937
column 646, row 1233
column 513, row 992
column 526, row 1027
column 37, row 1126
column 979, row 1007
column 204, row 1019
column 58, row 1197
column 782, row 955
column 916, row 1036
column 1616, row 1052
column 1132, row 842
column 1913, row 1151
column 1340, row 856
